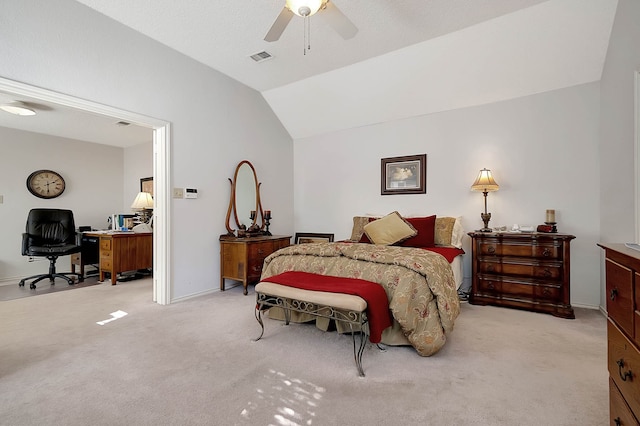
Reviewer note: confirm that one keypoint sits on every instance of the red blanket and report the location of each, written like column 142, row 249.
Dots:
column 377, row 303
column 449, row 253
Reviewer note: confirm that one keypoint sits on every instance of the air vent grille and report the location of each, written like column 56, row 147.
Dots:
column 261, row 56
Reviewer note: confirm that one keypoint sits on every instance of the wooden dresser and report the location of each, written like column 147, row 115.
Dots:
column 522, row 270
column 241, row 259
column 622, row 269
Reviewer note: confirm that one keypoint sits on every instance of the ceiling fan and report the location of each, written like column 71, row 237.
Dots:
column 306, row 8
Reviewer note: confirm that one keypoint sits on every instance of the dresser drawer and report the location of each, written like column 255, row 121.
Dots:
column 545, row 250
column 623, row 361
column 619, row 291
column 619, row 412
column 520, row 267
column 105, row 244
column 261, row 250
column 508, row 288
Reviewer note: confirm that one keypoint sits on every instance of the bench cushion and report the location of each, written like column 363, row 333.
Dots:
column 377, row 304
column 347, row 302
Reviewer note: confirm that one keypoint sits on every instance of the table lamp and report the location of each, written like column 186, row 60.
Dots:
column 486, row 184
column 142, row 205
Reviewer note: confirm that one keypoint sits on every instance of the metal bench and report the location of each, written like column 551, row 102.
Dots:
column 349, row 309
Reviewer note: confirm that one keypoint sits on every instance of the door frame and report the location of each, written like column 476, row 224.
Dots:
column 161, row 172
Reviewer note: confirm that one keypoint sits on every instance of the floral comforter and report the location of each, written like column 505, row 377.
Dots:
column 419, row 284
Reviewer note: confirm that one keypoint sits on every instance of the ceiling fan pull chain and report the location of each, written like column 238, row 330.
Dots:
column 306, row 34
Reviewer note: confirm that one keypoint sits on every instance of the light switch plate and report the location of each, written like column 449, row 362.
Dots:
column 178, row 192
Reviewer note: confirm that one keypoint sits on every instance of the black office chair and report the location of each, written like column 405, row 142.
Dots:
column 50, row 233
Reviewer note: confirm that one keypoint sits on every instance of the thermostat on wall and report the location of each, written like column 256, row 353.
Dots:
column 190, row 193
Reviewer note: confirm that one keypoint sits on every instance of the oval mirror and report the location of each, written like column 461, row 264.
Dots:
column 245, row 199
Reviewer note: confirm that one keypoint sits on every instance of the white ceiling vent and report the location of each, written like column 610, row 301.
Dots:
column 261, row 56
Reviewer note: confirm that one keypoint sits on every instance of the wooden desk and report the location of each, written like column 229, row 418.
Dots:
column 124, row 251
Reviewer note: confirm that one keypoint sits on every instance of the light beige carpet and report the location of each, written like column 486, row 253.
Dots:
column 193, row 363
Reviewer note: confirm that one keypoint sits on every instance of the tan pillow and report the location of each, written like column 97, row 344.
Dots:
column 444, row 230
column 390, row 229
column 358, row 227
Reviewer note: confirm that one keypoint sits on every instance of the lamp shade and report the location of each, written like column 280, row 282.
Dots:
column 143, row 201
column 485, row 182
column 304, row 7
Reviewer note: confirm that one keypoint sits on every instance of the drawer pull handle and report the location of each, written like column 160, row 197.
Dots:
column 491, row 249
column 490, row 268
column 547, row 273
column 626, row 375
column 613, row 294
column 546, row 253
column 617, row 421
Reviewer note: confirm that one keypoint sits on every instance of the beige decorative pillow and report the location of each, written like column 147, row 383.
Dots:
column 444, row 230
column 358, row 227
column 390, row 229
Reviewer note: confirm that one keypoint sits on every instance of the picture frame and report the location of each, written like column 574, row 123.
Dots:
column 307, row 237
column 146, row 185
column 404, row 175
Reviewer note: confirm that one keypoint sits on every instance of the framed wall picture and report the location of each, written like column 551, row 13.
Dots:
column 304, row 237
column 146, row 185
column 404, row 175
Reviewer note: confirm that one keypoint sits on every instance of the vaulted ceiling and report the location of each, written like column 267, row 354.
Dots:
column 408, row 58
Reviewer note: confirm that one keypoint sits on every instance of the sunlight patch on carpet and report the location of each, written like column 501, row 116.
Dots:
column 114, row 316
column 293, row 402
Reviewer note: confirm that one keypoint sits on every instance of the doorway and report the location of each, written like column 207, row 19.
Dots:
column 161, row 168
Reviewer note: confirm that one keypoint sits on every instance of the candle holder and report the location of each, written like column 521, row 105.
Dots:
column 267, row 221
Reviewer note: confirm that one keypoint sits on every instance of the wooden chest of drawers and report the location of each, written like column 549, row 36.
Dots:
column 622, row 269
column 522, row 270
column 241, row 259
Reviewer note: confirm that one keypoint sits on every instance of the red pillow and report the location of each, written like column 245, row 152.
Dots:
column 364, row 238
column 426, row 232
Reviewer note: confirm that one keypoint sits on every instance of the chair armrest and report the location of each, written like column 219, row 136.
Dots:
column 25, row 244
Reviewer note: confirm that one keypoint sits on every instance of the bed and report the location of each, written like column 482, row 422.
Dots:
column 419, row 280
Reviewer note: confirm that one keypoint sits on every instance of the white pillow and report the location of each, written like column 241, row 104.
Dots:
column 458, row 233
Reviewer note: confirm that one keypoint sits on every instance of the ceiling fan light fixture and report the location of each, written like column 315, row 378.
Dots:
column 305, row 7
column 17, row 108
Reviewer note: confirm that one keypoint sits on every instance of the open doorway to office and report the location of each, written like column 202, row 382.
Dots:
column 161, row 168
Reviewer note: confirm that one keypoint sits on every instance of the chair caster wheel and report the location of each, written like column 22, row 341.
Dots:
column 21, row 284
column 32, row 286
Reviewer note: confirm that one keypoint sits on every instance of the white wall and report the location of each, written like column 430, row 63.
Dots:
column 216, row 121
column 93, row 176
column 618, row 221
column 138, row 163
column 617, row 147
column 542, row 150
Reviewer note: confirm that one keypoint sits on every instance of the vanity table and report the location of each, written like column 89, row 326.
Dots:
column 241, row 259
column 243, row 249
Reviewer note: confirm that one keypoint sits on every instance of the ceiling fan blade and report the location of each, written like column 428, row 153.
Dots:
column 339, row 21
column 279, row 25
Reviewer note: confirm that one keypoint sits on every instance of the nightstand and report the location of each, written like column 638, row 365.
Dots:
column 522, row 270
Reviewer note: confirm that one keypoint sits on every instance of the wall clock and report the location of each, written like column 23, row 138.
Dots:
column 45, row 184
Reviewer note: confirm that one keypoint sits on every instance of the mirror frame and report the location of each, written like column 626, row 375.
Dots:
column 232, row 203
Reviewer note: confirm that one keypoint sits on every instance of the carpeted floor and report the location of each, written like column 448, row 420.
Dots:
column 194, row 363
